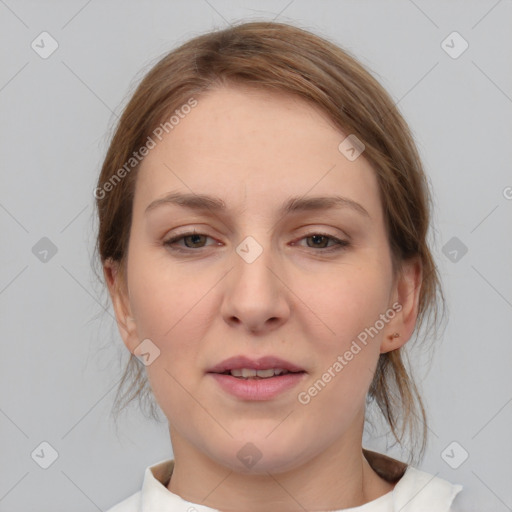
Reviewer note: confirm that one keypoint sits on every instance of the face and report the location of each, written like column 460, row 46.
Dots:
column 302, row 285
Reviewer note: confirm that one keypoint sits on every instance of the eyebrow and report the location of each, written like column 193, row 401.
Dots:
column 202, row 202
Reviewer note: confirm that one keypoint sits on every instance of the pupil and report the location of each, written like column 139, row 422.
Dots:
column 316, row 238
column 194, row 238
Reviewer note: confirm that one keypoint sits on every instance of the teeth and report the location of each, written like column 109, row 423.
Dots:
column 264, row 374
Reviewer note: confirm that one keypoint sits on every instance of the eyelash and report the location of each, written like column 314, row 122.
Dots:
column 340, row 244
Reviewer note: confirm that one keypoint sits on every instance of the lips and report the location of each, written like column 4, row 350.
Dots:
column 263, row 363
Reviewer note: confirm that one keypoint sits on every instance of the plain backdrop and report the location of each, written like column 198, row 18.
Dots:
column 60, row 361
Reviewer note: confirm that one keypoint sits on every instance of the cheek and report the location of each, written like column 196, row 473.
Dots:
column 173, row 307
column 342, row 332
column 346, row 301
column 170, row 308
column 165, row 296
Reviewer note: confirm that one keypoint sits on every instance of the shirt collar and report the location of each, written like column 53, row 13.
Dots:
column 412, row 491
column 156, row 496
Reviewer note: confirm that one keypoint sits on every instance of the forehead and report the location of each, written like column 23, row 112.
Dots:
column 257, row 145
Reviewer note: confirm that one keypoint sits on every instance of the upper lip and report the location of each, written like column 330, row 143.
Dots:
column 263, row 363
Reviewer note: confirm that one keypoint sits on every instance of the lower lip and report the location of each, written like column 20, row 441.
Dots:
column 257, row 389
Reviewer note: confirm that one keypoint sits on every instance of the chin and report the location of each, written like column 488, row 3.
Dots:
column 260, row 457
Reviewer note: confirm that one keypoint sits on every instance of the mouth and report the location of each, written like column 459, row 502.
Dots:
column 264, row 367
column 256, row 379
column 251, row 374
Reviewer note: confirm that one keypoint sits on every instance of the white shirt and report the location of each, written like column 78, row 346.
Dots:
column 416, row 491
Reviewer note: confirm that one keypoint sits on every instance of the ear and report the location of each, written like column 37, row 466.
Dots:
column 405, row 293
column 118, row 290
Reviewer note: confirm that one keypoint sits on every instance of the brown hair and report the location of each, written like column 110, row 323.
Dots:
column 288, row 59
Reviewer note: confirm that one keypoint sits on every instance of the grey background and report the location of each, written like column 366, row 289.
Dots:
column 61, row 351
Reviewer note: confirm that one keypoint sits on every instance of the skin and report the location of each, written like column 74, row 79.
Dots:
column 255, row 149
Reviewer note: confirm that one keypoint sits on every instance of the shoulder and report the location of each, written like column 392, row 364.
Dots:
column 154, row 483
column 419, row 491
column 415, row 490
column 130, row 504
column 469, row 501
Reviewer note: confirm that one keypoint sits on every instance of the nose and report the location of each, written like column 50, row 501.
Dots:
column 256, row 298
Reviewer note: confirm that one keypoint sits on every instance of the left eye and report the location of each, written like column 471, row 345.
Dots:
column 319, row 239
column 322, row 237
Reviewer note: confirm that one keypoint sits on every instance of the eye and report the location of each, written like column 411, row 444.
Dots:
column 194, row 240
column 319, row 240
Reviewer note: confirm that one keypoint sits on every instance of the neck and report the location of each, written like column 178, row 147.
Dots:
column 338, row 478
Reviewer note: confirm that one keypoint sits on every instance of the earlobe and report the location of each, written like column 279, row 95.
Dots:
column 407, row 294
column 392, row 342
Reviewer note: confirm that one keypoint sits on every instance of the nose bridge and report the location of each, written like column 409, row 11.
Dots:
column 253, row 260
column 253, row 293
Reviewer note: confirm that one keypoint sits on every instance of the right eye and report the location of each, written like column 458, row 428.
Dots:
column 193, row 238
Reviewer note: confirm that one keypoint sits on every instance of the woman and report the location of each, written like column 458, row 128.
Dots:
column 263, row 216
